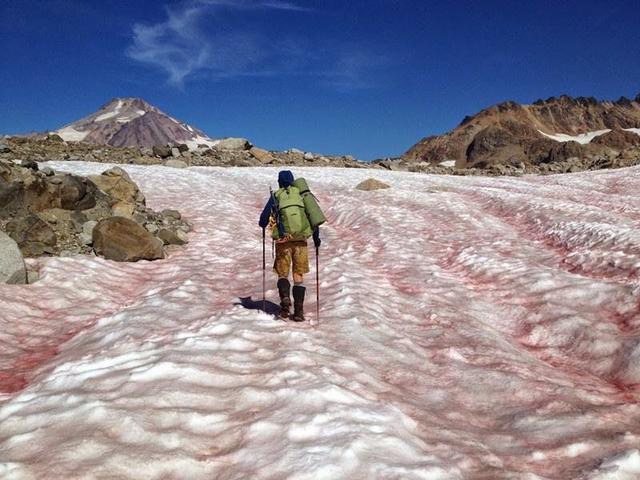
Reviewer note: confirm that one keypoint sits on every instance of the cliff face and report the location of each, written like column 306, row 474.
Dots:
column 511, row 133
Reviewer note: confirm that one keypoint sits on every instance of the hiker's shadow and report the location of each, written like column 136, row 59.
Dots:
column 250, row 304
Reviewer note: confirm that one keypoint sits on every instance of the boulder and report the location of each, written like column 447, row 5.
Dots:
column 4, row 148
column 182, row 147
column 175, row 153
column 175, row 164
column 232, row 143
column 170, row 237
column 123, row 240
column 161, row 151
column 12, row 267
column 308, row 156
column 54, row 137
column 261, row 155
column 30, row 164
column 175, row 214
column 117, row 183
column 76, row 193
column 34, row 236
column 48, row 171
column 372, row 184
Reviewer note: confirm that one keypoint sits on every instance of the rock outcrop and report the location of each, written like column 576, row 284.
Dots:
column 510, row 133
column 54, row 213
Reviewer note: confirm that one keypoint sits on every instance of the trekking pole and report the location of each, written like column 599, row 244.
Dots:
column 317, row 287
column 264, row 272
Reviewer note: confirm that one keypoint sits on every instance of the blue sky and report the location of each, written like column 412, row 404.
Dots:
column 361, row 77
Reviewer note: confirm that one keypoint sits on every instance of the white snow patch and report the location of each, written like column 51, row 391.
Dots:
column 633, row 130
column 113, row 113
column 448, row 163
column 623, row 467
column 200, row 140
column 582, row 138
column 70, row 134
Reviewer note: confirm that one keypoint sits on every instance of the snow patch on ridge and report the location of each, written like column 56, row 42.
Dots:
column 70, row 134
column 633, row 130
column 582, row 138
column 108, row 115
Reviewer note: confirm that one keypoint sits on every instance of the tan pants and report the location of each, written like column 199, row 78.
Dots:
column 293, row 252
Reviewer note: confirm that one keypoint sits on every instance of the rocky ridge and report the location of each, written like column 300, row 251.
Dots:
column 545, row 132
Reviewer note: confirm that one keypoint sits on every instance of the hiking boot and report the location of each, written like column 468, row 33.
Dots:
column 298, row 302
column 285, row 300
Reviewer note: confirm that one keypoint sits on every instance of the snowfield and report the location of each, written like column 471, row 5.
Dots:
column 471, row 328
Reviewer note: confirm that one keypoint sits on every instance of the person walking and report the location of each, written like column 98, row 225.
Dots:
column 287, row 215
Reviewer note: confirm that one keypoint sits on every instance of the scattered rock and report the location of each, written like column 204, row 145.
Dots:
column 175, row 214
column 12, row 267
column 309, row 156
column 162, row 152
column 87, row 232
column 123, row 209
column 175, row 152
column 48, row 171
column 182, row 147
column 232, row 143
column 169, row 237
column 33, row 236
column 30, row 164
column 4, row 148
column 54, row 137
column 261, row 155
column 32, row 276
column 175, row 164
column 372, row 184
column 123, row 240
column 151, row 227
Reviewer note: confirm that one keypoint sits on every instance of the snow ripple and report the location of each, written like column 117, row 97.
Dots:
column 470, row 328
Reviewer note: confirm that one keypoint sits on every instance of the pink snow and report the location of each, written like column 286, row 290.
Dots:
column 470, row 328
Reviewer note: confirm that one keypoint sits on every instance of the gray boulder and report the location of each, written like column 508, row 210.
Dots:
column 30, row 164
column 232, row 143
column 175, row 152
column 169, row 237
column 309, row 156
column 161, row 151
column 175, row 164
column 12, row 268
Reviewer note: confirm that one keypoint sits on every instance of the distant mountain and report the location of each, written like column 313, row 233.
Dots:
column 546, row 131
column 125, row 122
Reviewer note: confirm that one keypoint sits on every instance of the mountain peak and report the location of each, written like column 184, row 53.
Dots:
column 124, row 122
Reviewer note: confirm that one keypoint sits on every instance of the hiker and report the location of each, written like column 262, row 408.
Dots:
column 285, row 213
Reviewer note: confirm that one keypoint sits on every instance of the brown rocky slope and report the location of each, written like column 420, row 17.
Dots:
column 546, row 131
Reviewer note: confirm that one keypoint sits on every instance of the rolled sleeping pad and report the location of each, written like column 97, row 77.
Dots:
column 314, row 213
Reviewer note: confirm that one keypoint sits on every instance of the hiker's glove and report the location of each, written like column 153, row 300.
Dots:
column 316, row 237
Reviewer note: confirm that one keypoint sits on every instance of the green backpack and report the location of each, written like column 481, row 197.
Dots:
column 292, row 214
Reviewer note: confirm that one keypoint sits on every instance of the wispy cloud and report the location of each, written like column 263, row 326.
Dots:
column 200, row 38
